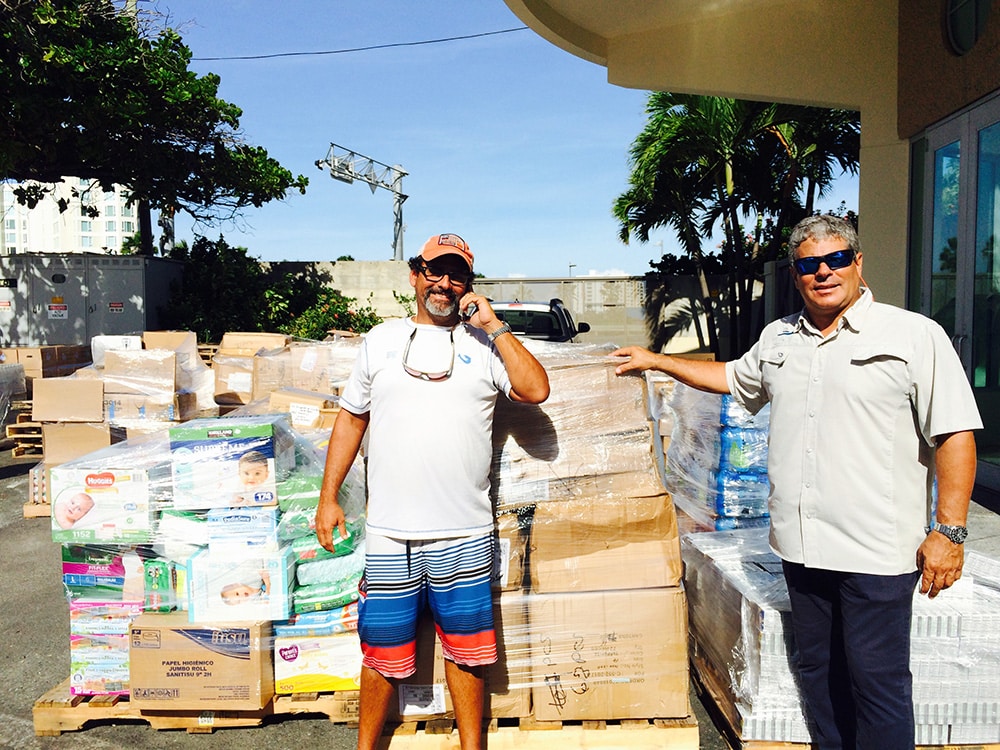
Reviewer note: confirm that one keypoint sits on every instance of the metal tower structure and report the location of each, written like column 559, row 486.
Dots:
column 347, row 166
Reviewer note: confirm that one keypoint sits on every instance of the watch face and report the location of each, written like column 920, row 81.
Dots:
column 957, row 534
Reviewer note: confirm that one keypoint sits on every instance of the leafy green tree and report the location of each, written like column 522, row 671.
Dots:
column 223, row 289
column 95, row 93
column 702, row 162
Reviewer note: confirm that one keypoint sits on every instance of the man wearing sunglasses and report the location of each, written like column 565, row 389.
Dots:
column 424, row 390
column 869, row 403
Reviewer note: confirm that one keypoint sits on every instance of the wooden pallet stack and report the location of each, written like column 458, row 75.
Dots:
column 24, row 436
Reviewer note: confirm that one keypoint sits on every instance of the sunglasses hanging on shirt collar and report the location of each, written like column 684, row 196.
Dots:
column 429, row 360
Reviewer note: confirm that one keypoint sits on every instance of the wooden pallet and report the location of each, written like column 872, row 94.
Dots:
column 58, row 711
column 36, row 510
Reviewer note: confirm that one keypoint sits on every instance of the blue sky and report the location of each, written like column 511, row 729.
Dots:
column 507, row 140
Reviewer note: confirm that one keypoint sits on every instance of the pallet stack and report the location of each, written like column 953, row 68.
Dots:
column 591, row 613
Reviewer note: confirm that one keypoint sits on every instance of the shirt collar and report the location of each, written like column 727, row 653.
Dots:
column 854, row 317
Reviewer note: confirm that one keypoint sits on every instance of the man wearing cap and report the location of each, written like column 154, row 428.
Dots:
column 424, row 388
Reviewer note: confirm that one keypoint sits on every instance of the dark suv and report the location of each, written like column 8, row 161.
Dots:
column 545, row 321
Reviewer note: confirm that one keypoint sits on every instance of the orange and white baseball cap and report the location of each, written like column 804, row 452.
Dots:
column 446, row 244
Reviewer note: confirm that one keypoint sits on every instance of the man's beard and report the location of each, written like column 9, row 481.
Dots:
column 447, row 310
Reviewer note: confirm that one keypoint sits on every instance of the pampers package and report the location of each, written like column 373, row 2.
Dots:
column 230, row 461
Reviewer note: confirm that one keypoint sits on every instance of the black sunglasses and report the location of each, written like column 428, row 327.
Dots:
column 434, row 275
column 834, row 260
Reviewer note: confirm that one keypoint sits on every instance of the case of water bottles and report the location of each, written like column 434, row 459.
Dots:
column 716, row 462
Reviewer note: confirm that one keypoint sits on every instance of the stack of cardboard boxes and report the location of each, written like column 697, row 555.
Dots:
column 591, row 613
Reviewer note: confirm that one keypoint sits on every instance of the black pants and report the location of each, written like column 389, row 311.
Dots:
column 853, row 636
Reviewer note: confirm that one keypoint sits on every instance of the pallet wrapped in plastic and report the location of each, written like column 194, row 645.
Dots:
column 743, row 640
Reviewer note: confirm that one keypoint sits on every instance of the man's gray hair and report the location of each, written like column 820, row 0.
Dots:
column 823, row 227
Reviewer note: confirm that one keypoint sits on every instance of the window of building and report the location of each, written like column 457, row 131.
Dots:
column 965, row 21
column 11, row 223
column 86, row 242
column 109, row 209
column 128, row 226
column 127, row 211
column 109, row 226
column 85, row 226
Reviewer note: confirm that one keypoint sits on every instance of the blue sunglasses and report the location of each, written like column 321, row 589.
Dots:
column 835, row 260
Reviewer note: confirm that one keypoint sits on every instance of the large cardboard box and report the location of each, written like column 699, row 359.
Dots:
column 140, row 371
column 590, row 543
column 425, row 694
column 177, row 665
column 609, row 654
column 65, row 441
column 173, row 340
column 67, row 400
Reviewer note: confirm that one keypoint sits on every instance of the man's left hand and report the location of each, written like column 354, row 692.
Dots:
column 940, row 563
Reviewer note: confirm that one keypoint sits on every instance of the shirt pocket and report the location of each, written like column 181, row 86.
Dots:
column 881, row 370
column 772, row 367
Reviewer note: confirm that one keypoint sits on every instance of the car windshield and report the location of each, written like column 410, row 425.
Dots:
column 540, row 325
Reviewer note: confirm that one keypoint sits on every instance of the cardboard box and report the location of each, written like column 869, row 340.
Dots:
column 175, row 341
column 73, row 356
column 609, row 655
column 67, row 400
column 248, row 344
column 425, row 694
column 177, row 666
column 305, row 408
column 583, row 545
column 101, row 505
column 510, row 552
column 157, row 407
column 230, row 588
column 231, row 461
column 321, row 663
column 39, row 361
column 142, row 371
column 66, row 441
column 8, row 356
column 101, row 344
column 233, row 379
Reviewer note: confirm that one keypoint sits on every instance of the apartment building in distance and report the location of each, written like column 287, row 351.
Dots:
column 44, row 229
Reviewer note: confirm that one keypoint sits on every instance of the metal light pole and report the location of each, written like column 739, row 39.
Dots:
column 347, row 166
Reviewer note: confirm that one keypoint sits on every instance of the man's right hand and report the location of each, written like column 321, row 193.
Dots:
column 329, row 515
column 637, row 359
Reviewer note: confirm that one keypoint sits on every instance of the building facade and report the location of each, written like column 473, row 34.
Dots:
column 46, row 229
column 925, row 77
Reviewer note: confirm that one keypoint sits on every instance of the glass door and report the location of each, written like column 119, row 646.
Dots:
column 960, row 284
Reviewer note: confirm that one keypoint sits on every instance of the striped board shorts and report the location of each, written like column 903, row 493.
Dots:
column 451, row 577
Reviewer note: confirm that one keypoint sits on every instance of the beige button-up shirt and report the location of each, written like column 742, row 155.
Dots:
column 851, row 442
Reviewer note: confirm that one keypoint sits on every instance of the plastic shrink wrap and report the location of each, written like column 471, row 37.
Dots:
column 714, row 461
column 742, row 641
column 168, row 557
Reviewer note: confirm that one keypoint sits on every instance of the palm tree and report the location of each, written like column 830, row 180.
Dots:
column 702, row 162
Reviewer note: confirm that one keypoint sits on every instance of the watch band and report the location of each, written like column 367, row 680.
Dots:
column 505, row 328
column 956, row 534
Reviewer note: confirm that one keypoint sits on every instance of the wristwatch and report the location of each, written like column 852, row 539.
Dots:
column 505, row 328
column 956, row 534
